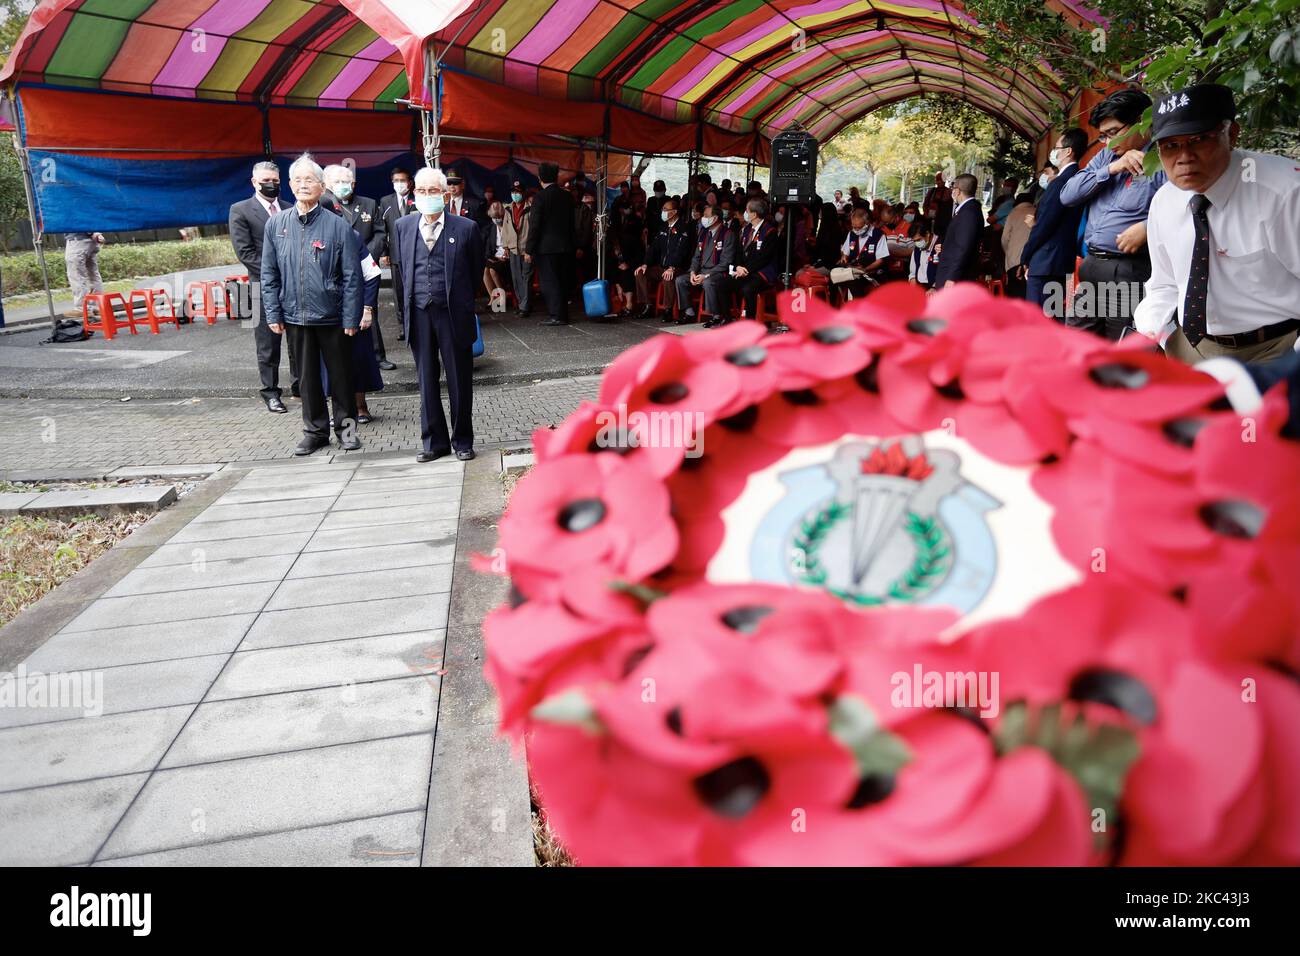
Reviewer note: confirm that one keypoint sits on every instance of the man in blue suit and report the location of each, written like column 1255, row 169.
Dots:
column 441, row 260
column 960, row 248
column 1049, row 253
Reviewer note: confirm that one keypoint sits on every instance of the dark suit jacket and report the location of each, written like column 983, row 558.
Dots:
column 391, row 211
column 671, row 248
column 247, row 224
column 726, row 256
column 760, row 255
column 463, row 248
column 959, row 257
column 363, row 215
column 550, row 223
column 1050, row 248
column 470, row 210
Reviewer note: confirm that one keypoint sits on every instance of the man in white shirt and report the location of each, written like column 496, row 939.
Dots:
column 1224, row 235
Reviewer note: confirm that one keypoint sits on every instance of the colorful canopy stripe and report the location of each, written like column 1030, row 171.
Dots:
column 743, row 65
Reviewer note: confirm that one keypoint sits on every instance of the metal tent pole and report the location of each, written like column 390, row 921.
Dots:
column 602, row 184
column 429, row 114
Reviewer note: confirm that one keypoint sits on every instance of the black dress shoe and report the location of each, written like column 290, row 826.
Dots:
column 429, row 456
column 667, row 318
column 386, row 365
column 310, row 445
column 777, row 328
column 555, row 322
column 465, row 454
column 350, row 444
column 716, row 322
column 364, row 418
column 275, row 405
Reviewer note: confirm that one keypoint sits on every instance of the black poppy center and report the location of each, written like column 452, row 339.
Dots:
column 1119, row 375
column 832, row 334
column 746, row 618
column 1116, row 689
column 951, row 390
column 801, row 396
column 622, row 442
column 1183, row 431
column 1233, row 518
column 748, row 357
column 868, row 379
column 872, row 788
column 674, row 721
column 742, row 421
column 927, row 326
column 669, row 393
column 735, row 788
column 580, row 515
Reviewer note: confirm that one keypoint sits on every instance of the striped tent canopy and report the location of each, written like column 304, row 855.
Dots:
column 745, row 65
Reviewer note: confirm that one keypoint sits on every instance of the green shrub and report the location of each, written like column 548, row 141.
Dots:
column 22, row 271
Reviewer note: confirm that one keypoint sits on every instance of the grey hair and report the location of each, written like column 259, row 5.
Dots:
column 332, row 171
column 310, row 165
column 757, row 206
column 433, row 177
column 266, row 166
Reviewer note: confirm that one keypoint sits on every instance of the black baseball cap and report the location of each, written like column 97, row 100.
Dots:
column 454, row 177
column 1196, row 109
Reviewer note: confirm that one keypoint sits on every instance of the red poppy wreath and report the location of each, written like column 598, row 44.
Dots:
column 925, row 581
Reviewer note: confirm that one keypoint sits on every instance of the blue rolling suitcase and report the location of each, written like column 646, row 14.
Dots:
column 478, row 337
column 595, row 298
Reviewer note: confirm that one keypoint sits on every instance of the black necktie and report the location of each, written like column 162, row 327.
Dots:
column 1198, row 277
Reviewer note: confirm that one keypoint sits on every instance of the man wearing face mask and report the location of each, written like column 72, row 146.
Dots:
column 653, row 207
column 1048, row 256
column 668, row 255
column 584, row 236
column 715, row 252
column 442, row 267
column 864, row 248
column 959, row 245
column 514, row 237
column 247, row 225
column 363, row 215
column 756, row 271
column 392, row 207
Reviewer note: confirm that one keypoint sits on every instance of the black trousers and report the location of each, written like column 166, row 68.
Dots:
column 398, row 296
column 430, row 338
column 553, row 275
column 378, row 337
column 327, row 343
column 749, row 289
column 268, row 361
column 1115, row 287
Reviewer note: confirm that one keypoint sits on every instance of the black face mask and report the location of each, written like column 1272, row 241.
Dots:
column 269, row 190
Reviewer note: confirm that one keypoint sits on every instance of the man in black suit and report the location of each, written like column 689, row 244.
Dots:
column 362, row 214
column 715, row 254
column 959, row 251
column 551, row 242
column 1048, row 256
column 247, row 224
column 442, row 268
column 668, row 256
column 398, row 203
column 458, row 204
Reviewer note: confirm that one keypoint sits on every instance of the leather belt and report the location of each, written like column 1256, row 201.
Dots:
column 1267, row 333
column 1103, row 254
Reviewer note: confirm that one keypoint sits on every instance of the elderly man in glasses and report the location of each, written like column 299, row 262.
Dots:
column 1224, row 236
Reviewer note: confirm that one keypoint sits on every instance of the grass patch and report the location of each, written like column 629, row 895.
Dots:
column 127, row 261
column 39, row 554
column 546, row 846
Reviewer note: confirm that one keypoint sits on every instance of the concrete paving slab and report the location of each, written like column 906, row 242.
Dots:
column 140, row 644
column 332, row 664
column 443, row 511
column 265, row 509
column 358, row 560
column 63, row 825
column 300, row 720
column 275, row 492
column 252, row 547
column 167, row 471
column 397, row 499
column 260, row 795
column 375, row 486
column 311, row 625
column 130, row 687
column 101, row 501
column 11, row 502
column 202, row 573
column 45, row 754
column 343, row 589
column 148, row 609
column 392, row 840
column 244, row 528
column 438, row 531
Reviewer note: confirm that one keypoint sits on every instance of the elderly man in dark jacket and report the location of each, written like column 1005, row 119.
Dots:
column 551, row 242
column 311, row 289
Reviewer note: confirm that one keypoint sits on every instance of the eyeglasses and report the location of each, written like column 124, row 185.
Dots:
column 428, row 191
column 304, row 181
column 1172, row 147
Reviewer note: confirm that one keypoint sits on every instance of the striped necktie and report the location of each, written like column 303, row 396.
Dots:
column 1198, row 276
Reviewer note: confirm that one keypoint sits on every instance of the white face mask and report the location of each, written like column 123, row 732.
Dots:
column 708, row 221
column 1057, row 158
column 1043, row 180
column 401, row 188
column 922, row 243
column 779, row 216
column 909, row 217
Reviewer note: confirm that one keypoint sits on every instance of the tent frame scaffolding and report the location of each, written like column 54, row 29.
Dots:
column 38, row 229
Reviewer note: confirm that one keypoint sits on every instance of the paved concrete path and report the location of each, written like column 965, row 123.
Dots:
column 270, row 678
column 47, row 436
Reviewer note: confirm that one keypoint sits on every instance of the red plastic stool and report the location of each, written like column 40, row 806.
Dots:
column 150, row 299
column 212, row 307
column 997, row 287
column 106, row 320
